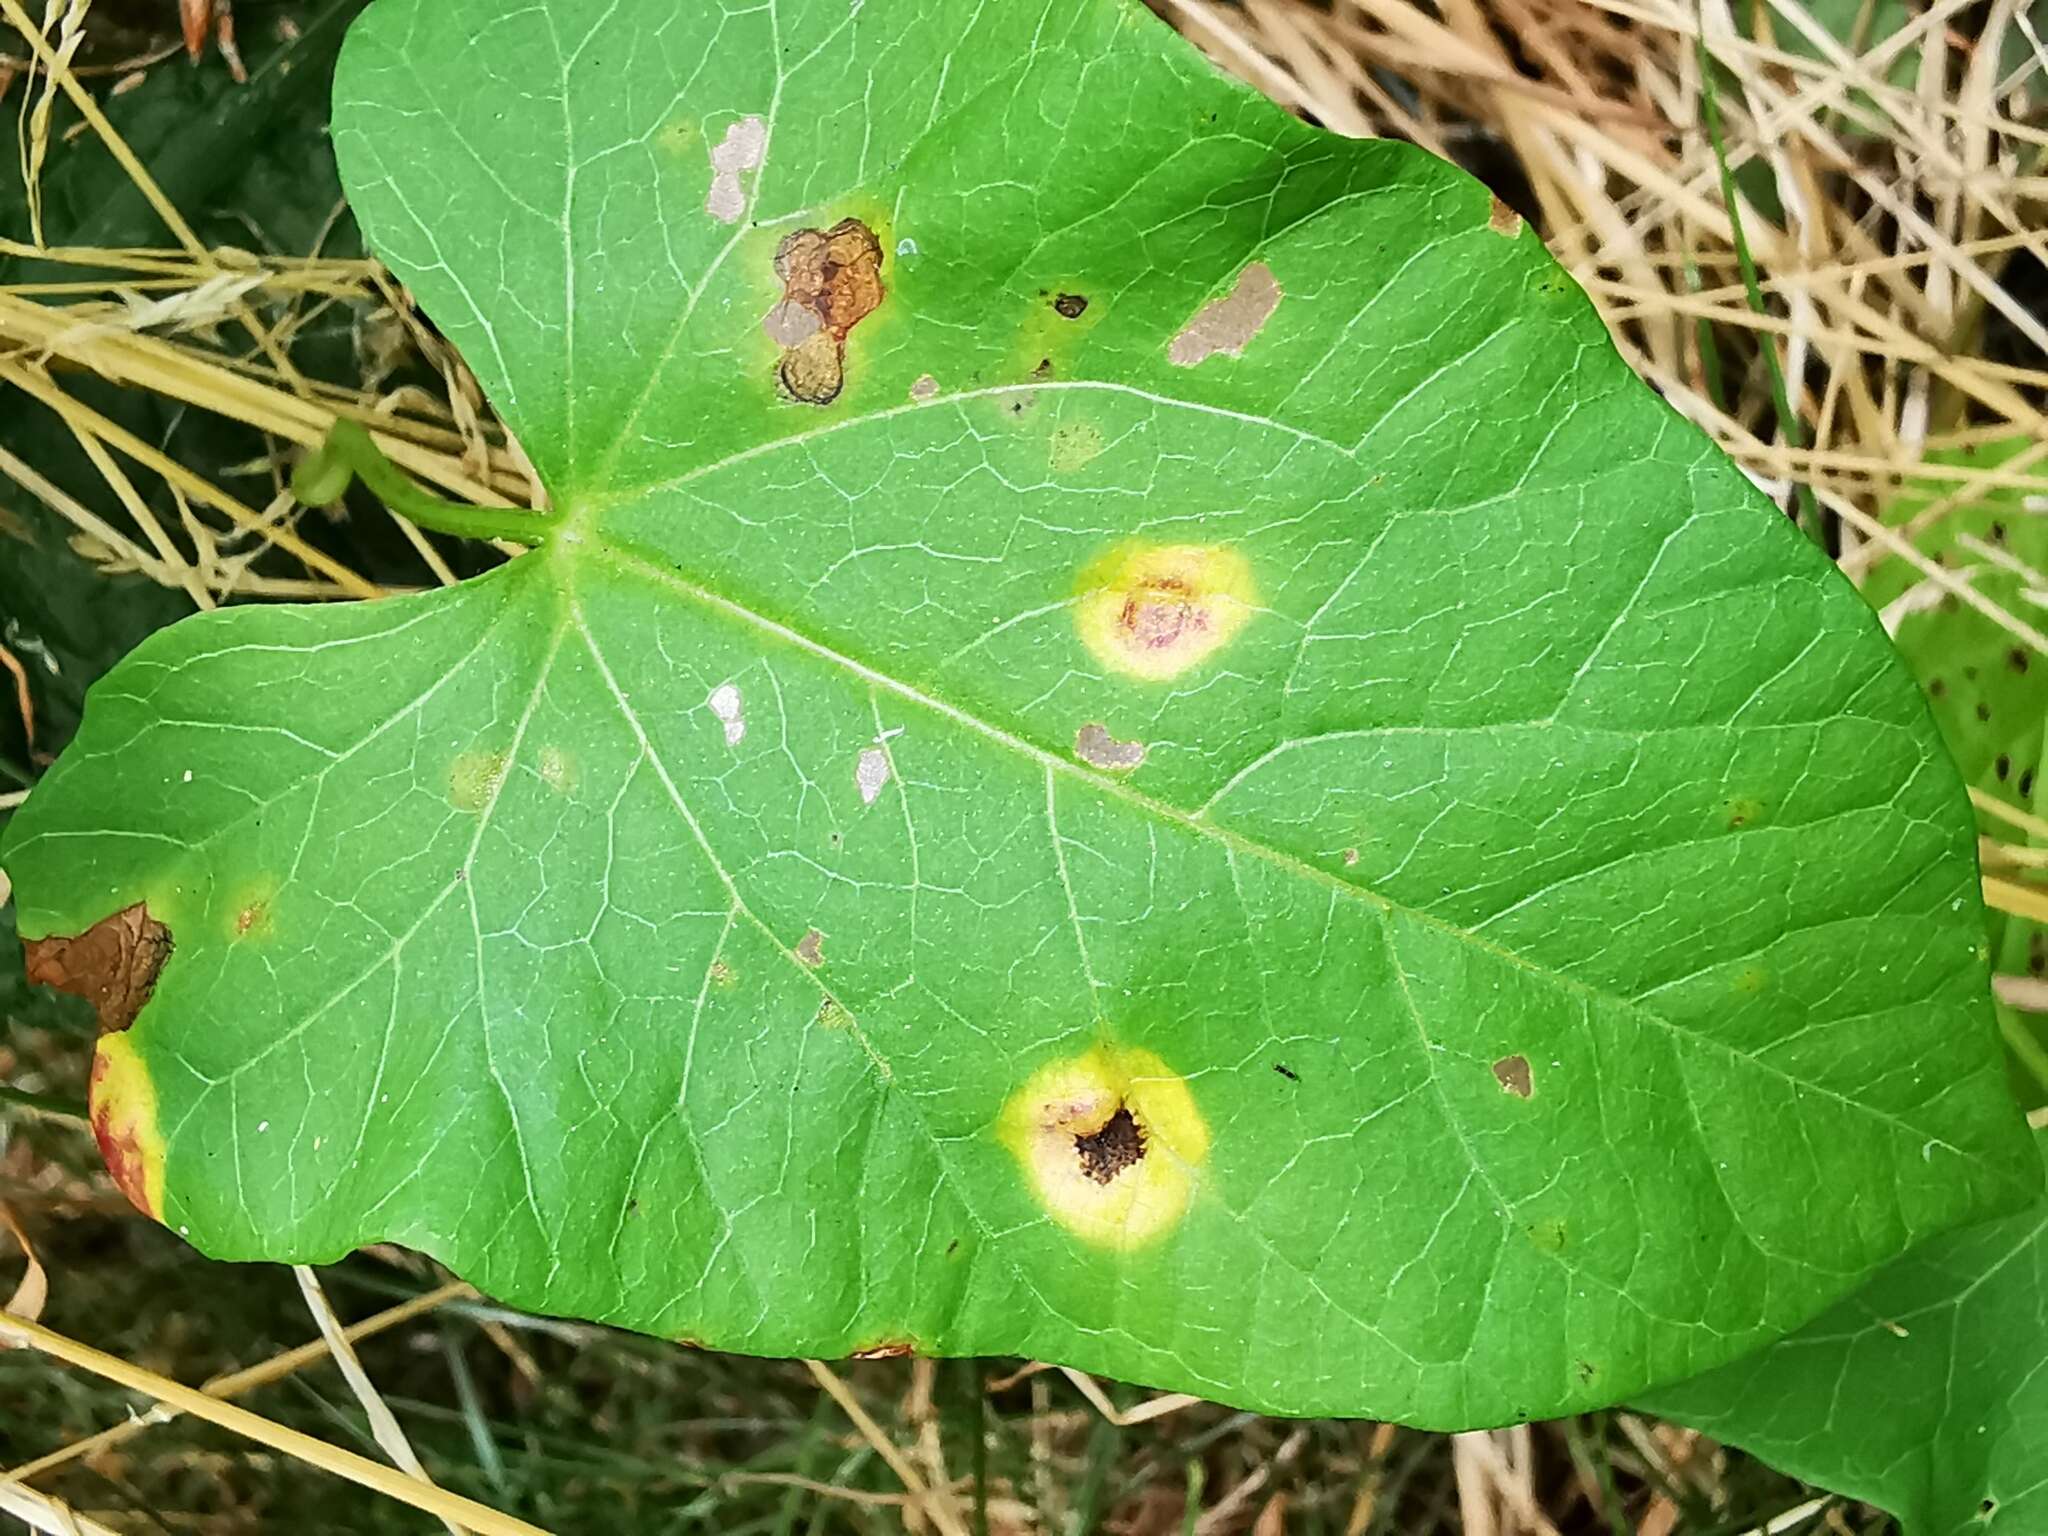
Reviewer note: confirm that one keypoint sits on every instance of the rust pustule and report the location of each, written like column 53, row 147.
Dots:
column 113, row 964
column 831, row 281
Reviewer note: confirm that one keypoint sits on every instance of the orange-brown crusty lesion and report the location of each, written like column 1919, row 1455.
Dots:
column 123, row 1110
column 1156, row 611
column 1110, row 1142
column 831, row 281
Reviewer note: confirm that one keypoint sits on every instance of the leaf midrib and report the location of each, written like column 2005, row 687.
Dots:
column 636, row 560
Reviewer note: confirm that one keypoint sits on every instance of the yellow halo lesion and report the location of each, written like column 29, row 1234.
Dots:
column 124, row 1122
column 1110, row 1141
column 1154, row 611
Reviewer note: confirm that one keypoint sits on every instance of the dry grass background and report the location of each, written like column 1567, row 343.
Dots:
column 1851, row 297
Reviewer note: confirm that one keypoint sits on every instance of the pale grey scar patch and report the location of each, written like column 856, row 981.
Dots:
column 1228, row 324
column 740, row 150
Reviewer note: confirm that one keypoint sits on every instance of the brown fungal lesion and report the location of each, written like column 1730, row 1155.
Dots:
column 113, row 965
column 1514, row 1076
column 1105, row 1152
column 831, row 281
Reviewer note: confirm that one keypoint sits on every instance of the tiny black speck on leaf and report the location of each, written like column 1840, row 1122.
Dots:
column 1286, row 1071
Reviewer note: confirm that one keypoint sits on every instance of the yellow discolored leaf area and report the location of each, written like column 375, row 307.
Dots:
column 1111, row 1141
column 124, row 1123
column 1155, row 611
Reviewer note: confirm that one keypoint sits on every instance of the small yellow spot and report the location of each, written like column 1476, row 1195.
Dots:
column 1111, row 1141
column 556, row 770
column 1742, row 811
column 250, row 912
column 677, row 135
column 473, row 780
column 1156, row 610
column 1073, row 445
column 1750, row 980
column 124, row 1123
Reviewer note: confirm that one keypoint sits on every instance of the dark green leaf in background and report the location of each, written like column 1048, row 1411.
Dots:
column 1925, row 1393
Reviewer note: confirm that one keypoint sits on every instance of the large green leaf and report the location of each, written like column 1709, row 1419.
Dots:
column 1218, row 794
column 1926, row 1392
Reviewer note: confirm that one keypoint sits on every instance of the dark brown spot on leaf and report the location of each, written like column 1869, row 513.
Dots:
column 2016, row 659
column 810, row 949
column 831, row 281
column 1070, row 306
column 1286, row 1071
column 1512, row 1073
column 1108, row 1152
column 113, row 965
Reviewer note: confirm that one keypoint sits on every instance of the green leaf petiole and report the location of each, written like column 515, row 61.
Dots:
column 350, row 453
